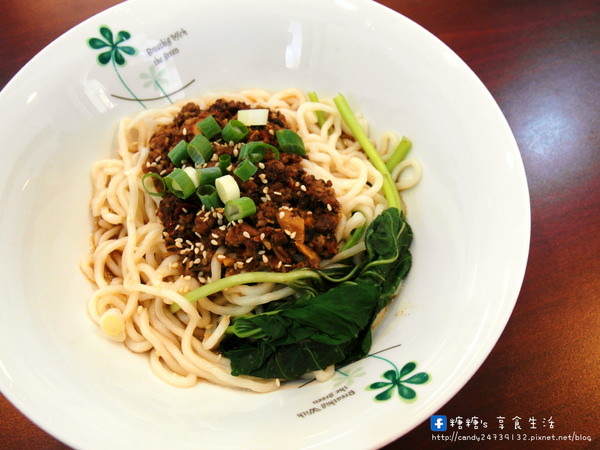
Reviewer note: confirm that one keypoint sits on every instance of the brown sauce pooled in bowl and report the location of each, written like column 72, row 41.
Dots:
column 296, row 213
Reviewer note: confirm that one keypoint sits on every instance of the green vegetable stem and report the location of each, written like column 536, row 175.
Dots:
column 389, row 187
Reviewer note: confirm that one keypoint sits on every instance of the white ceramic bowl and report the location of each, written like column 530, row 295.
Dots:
column 470, row 216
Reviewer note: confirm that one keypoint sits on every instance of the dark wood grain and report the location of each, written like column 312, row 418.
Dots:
column 540, row 59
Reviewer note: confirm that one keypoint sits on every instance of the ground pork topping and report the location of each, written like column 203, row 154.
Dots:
column 296, row 214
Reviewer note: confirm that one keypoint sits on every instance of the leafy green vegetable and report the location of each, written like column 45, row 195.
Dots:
column 311, row 332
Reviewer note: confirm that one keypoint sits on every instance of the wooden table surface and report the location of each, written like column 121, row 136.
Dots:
column 540, row 59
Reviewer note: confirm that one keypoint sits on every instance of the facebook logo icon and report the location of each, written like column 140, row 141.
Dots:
column 438, row 423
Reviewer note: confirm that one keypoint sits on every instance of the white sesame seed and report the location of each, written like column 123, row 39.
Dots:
column 293, row 235
column 281, row 214
column 246, row 235
column 197, row 261
column 214, row 242
column 249, row 260
column 184, row 131
column 303, row 188
column 329, row 207
column 261, row 165
column 264, row 258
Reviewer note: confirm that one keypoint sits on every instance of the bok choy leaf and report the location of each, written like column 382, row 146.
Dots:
column 312, row 332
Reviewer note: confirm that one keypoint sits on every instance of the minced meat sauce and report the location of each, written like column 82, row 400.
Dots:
column 296, row 213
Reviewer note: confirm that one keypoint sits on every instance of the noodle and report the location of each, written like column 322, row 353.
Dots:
column 138, row 278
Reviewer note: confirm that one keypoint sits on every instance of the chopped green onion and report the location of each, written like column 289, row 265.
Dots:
column 193, row 174
column 290, row 142
column 253, row 117
column 200, row 149
column 239, row 208
column 179, row 183
column 245, row 170
column 113, row 325
column 399, row 153
column 179, row 153
column 227, row 188
column 313, row 97
column 255, row 151
column 209, row 127
column 208, row 196
column 234, row 131
column 224, row 162
column 389, row 187
column 208, row 175
column 155, row 177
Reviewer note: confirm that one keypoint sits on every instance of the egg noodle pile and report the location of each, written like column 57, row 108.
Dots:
column 136, row 279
